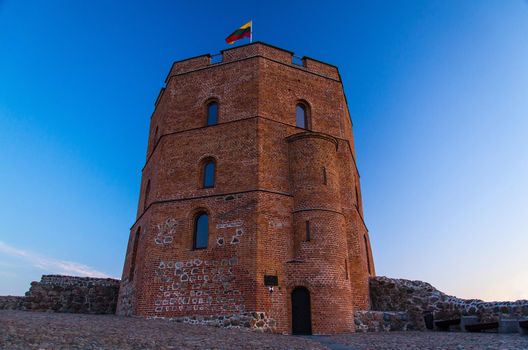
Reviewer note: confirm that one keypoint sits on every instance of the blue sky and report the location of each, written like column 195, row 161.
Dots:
column 438, row 93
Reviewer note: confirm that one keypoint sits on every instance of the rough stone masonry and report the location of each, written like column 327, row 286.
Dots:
column 417, row 298
column 69, row 294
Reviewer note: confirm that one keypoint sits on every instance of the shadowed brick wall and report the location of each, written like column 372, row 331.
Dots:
column 269, row 182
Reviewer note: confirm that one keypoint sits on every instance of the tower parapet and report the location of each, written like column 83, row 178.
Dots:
column 257, row 49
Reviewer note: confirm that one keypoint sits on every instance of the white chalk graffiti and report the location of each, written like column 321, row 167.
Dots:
column 236, row 237
column 277, row 223
column 165, row 232
column 236, row 223
column 197, row 285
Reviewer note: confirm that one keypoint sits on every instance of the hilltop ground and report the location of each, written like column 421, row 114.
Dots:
column 36, row 330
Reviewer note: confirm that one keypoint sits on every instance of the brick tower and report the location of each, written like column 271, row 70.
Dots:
column 250, row 205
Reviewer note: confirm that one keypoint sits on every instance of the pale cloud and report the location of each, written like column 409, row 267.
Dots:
column 7, row 274
column 51, row 265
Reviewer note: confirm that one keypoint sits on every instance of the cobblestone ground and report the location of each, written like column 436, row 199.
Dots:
column 426, row 340
column 36, row 330
column 40, row 330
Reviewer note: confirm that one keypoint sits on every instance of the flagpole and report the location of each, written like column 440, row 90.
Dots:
column 251, row 33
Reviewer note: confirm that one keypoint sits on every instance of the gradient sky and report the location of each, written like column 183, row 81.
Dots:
column 438, row 93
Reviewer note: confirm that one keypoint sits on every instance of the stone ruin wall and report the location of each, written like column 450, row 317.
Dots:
column 11, row 302
column 419, row 298
column 382, row 321
column 69, row 294
column 396, row 304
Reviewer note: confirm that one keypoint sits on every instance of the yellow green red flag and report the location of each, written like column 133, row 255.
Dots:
column 243, row 32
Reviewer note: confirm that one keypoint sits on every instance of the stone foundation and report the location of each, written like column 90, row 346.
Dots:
column 67, row 294
column 420, row 298
column 125, row 306
column 257, row 321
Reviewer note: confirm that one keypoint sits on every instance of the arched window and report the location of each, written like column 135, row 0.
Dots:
column 134, row 254
column 212, row 113
column 367, row 252
column 147, row 193
column 201, row 231
column 301, row 116
column 208, row 176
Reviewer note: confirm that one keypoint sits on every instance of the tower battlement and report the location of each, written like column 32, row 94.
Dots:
column 253, row 50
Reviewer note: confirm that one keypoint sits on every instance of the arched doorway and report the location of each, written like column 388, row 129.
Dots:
column 301, row 314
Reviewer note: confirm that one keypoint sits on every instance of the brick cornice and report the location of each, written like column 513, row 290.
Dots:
column 164, row 201
column 213, row 65
column 317, row 209
column 246, row 119
column 303, row 69
column 173, row 200
column 312, row 134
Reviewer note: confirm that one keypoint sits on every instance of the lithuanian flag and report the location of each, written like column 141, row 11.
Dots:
column 242, row 32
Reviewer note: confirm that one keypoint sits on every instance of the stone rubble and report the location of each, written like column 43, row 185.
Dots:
column 419, row 298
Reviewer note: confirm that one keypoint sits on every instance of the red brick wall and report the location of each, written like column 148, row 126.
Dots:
column 269, row 182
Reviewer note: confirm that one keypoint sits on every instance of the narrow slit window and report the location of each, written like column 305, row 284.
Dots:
column 346, row 268
column 147, row 194
column 212, row 113
column 367, row 253
column 324, row 176
column 134, row 255
column 201, row 231
column 308, row 233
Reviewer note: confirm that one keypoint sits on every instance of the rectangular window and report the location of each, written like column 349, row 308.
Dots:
column 308, row 233
column 324, row 175
column 346, row 269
